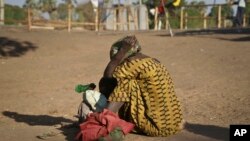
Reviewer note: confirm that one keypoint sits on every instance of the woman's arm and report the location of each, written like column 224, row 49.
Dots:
column 115, row 61
column 114, row 106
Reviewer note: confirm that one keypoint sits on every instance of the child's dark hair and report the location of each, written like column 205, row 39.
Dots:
column 107, row 85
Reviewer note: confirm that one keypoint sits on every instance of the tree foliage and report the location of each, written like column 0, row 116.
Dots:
column 195, row 9
column 42, row 6
column 86, row 10
column 31, row 4
column 47, row 5
column 12, row 13
column 247, row 12
column 62, row 10
column 226, row 11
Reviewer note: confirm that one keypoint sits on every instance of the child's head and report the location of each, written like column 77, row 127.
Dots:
column 107, row 85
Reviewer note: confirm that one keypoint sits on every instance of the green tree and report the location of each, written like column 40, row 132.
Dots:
column 226, row 12
column 86, row 10
column 42, row 6
column 195, row 9
column 70, row 1
column 31, row 4
column 13, row 14
column 62, row 10
column 34, row 6
column 174, row 19
column 48, row 6
column 248, row 8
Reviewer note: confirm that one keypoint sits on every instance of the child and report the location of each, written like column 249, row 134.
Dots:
column 94, row 101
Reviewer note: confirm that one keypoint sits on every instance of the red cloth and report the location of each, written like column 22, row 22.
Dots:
column 161, row 9
column 101, row 124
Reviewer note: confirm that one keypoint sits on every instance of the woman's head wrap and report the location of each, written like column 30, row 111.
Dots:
column 129, row 42
column 121, row 50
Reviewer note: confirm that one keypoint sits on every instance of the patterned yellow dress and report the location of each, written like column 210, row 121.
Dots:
column 148, row 92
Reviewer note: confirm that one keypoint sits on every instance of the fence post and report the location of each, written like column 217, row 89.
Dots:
column 1, row 12
column 219, row 17
column 69, row 17
column 156, row 18
column 181, row 18
column 186, row 19
column 29, row 19
column 96, row 19
column 167, row 21
column 244, row 20
column 204, row 21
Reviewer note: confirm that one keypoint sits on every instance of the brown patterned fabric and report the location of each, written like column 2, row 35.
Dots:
column 148, row 92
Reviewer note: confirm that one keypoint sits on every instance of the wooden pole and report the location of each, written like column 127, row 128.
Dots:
column 96, row 19
column 167, row 21
column 181, row 18
column 244, row 20
column 204, row 21
column 186, row 20
column 1, row 12
column 29, row 19
column 219, row 17
column 69, row 17
column 156, row 18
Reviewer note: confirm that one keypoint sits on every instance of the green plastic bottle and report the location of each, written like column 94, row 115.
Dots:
column 83, row 88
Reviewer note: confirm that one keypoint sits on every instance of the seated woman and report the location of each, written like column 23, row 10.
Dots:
column 144, row 94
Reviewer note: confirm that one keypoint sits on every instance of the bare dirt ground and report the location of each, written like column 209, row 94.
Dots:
column 39, row 70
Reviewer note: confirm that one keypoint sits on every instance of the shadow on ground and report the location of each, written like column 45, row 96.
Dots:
column 44, row 120
column 211, row 131
column 240, row 39
column 210, row 32
column 14, row 48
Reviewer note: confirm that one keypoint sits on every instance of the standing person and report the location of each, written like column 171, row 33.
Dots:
column 240, row 13
column 144, row 94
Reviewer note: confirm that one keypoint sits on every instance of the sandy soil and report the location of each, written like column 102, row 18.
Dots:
column 39, row 70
